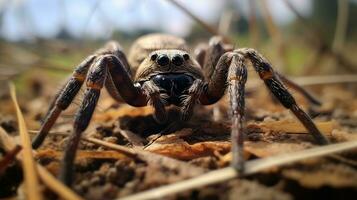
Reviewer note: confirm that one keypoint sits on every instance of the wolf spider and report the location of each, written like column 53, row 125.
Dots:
column 166, row 74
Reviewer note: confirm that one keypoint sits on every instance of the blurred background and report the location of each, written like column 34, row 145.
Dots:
column 43, row 40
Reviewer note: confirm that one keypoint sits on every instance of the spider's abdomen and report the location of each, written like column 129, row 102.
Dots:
column 174, row 85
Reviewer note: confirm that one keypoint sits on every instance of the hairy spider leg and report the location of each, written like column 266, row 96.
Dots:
column 63, row 99
column 237, row 77
column 94, row 83
column 271, row 80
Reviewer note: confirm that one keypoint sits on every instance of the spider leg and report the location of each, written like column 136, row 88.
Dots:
column 94, row 83
column 63, row 100
column 132, row 94
column 105, row 66
column 230, row 69
column 156, row 100
column 213, row 53
column 237, row 77
column 200, row 53
column 299, row 89
column 208, row 55
column 118, row 82
column 216, row 85
column 272, row 81
column 189, row 101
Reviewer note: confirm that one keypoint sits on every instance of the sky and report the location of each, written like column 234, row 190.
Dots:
column 24, row 19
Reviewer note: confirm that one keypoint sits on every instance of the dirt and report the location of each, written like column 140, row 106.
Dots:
column 202, row 142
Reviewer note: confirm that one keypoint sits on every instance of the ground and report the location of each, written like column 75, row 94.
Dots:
column 200, row 145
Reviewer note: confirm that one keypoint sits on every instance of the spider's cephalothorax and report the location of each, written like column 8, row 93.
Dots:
column 172, row 72
column 165, row 73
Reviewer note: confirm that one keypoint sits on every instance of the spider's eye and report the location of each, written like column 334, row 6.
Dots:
column 153, row 57
column 177, row 60
column 186, row 56
column 163, row 60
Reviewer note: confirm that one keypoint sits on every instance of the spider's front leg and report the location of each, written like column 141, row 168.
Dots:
column 237, row 77
column 95, row 82
column 230, row 69
column 63, row 99
column 110, row 69
column 105, row 66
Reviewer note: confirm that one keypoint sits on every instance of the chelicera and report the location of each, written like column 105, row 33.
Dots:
column 166, row 74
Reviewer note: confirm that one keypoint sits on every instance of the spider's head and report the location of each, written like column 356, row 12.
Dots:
column 173, row 71
column 168, row 61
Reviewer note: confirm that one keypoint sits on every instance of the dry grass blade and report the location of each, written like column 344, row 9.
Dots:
column 82, row 154
column 32, row 185
column 251, row 167
column 121, row 149
column 331, row 79
column 50, row 181
column 56, row 186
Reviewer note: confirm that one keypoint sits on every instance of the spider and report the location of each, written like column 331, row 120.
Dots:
column 166, row 74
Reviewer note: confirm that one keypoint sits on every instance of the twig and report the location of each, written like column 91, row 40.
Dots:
column 341, row 25
column 206, row 26
column 330, row 79
column 32, row 185
column 6, row 140
column 8, row 158
column 251, row 167
column 253, row 27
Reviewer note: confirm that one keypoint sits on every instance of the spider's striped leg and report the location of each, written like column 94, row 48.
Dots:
column 271, row 80
column 63, row 100
column 237, row 77
column 191, row 99
column 156, row 100
column 104, row 65
column 299, row 89
column 119, row 83
column 208, row 55
column 230, row 69
column 94, row 83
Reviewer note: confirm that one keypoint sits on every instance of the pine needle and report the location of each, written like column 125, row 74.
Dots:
column 225, row 174
column 32, row 185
